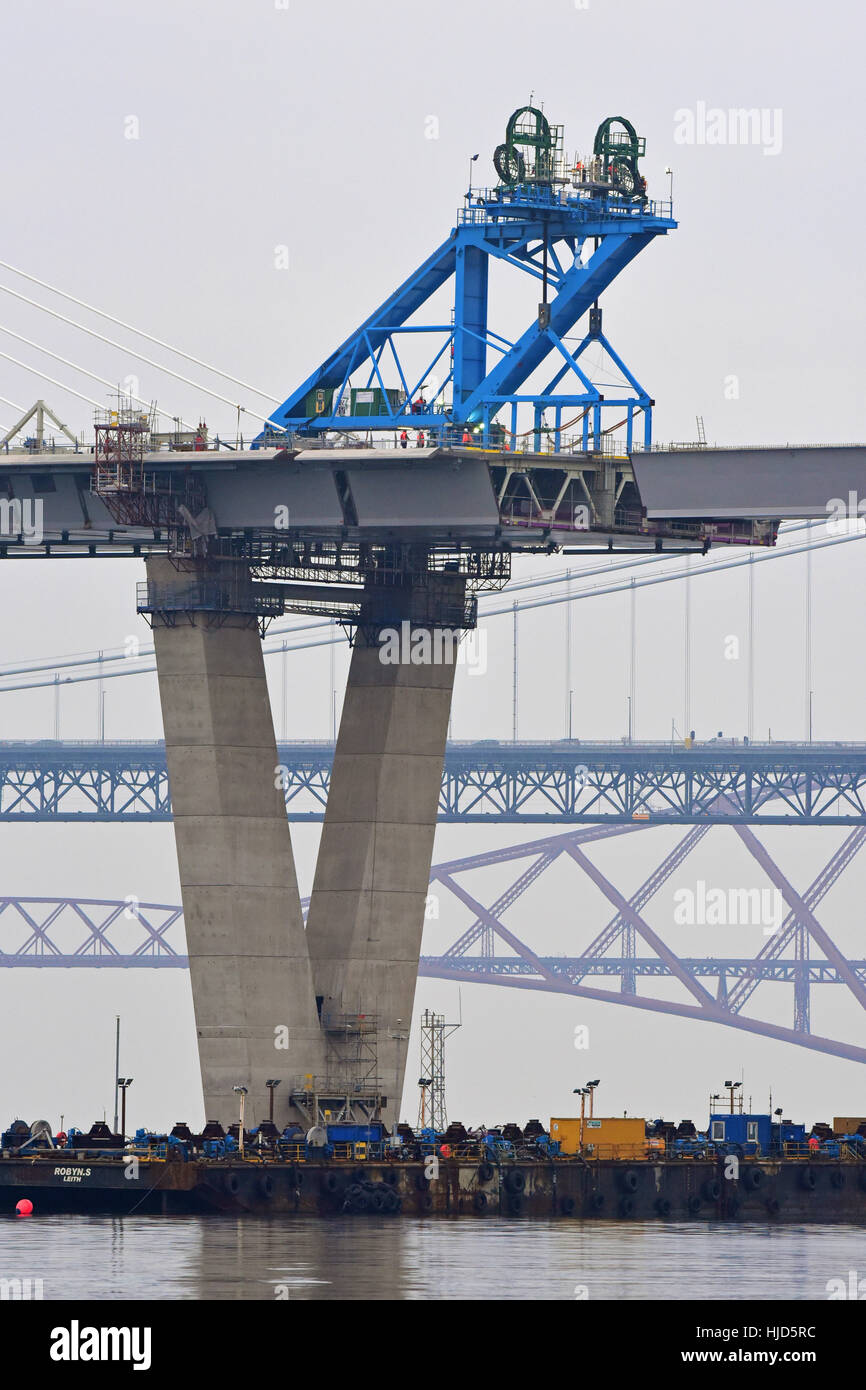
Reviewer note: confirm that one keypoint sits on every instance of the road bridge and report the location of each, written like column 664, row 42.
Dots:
column 488, row 782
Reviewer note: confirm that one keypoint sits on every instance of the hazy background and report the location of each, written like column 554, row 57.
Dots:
column 301, row 132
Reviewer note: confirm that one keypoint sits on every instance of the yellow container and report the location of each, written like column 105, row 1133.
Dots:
column 599, row 1131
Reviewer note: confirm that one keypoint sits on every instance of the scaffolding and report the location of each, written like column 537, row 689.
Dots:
column 122, row 436
column 133, row 494
column 351, row 1089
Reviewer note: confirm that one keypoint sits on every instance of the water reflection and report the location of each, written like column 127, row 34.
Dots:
column 291, row 1258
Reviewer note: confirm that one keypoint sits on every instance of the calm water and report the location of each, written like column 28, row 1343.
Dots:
column 378, row 1258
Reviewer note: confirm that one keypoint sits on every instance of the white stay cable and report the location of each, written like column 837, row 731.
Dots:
column 46, row 377
column 85, row 372
column 91, row 308
column 132, row 353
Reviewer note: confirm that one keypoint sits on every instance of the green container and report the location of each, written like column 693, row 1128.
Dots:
column 374, row 401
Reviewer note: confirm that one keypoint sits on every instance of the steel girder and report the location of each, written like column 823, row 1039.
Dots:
column 540, row 232
column 540, row 783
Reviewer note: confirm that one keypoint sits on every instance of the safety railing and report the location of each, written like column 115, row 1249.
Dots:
column 832, row 1150
column 485, row 204
column 203, row 597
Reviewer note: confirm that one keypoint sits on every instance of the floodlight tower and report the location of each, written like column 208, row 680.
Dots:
column 570, row 223
column 432, row 1109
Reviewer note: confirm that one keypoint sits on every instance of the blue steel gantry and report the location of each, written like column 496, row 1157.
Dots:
column 570, row 224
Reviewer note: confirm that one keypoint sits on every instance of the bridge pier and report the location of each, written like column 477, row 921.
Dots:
column 366, row 912
column 251, row 980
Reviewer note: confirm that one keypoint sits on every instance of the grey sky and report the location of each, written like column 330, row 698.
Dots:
column 307, row 128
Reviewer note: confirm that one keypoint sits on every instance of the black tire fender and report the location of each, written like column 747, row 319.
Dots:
column 753, row 1178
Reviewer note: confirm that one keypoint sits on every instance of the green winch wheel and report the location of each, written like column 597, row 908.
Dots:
column 623, row 176
column 509, row 164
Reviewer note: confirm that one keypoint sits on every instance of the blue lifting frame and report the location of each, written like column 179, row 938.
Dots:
column 573, row 237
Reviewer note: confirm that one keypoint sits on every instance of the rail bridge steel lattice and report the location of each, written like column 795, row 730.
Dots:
column 518, row 451
column 45, row 933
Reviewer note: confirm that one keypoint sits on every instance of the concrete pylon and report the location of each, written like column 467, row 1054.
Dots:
column 366, row 912
column 255, row 1011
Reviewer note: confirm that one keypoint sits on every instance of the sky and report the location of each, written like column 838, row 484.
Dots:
column 246, row 182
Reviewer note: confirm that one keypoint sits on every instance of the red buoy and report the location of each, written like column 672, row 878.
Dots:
column 24, row 1207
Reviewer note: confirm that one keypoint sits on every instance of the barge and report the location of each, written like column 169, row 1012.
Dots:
column 744, row 1167
column 659, row 1188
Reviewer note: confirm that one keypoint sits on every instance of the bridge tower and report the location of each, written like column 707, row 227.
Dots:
column 266, row 993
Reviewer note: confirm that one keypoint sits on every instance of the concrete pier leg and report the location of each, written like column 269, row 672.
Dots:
column 254, row 1006
column 366, row 913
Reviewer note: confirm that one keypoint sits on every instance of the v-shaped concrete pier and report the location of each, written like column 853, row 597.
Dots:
column 328, row 1013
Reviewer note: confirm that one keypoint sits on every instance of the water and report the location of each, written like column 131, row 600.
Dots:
column 381, row 1258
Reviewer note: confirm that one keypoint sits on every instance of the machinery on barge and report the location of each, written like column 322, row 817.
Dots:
column 742, row 1167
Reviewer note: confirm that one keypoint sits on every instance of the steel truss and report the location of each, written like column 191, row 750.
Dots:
column 572, row 238
column 800, row 953
column 537, row 783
